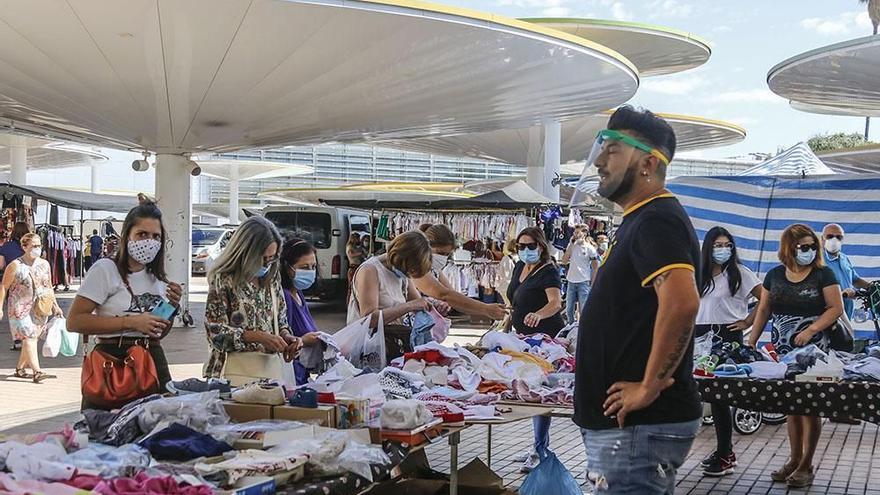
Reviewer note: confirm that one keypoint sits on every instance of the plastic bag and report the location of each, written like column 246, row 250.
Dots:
column 363, row 346
column 441, row 326
column 336, row 454
column 506, row 341
column 52, row 345
column 197, row 411
column 69, row 342
column 550, row 478
column 365, row 386
column 422, row 325
column 703, row 346
column 405, row 415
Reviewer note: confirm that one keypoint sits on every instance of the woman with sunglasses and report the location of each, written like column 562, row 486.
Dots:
column 803, row 298
column 536, row 298
column 246, row 311
column 725, row 288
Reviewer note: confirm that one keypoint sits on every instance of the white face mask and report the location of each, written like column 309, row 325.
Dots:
column 36, row 252
column 805, row 259
column 144, row 251
column 833, row 245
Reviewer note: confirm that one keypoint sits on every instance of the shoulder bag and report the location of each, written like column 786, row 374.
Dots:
column 242, row 368
column 44, row 301
column 112, row 382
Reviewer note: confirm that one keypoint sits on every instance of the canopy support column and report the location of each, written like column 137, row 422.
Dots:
column 174, row 191
column 233, row 194
column 535, row 161
column 18, row 161
column 552, row 157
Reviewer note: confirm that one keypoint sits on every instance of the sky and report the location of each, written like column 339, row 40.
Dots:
column 748, row 38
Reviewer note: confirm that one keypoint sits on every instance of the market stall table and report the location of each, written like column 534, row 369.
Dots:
column 519, row 411
column 859, row 400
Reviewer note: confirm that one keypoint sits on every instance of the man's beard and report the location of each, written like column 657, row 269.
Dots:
column 614, row 192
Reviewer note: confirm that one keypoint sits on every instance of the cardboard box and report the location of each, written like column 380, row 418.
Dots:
column 321, row 416
column 242, row 413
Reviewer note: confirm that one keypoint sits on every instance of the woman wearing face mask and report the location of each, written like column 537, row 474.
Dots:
column 246, row 311
column 382, row 283
column 803, row 297
column 299, row 272
column 115, row 300
column 23, row 279
column 434, row 284
column 536, row 297
column 726, row 286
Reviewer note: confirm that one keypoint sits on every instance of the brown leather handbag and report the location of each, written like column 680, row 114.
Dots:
column 112, row 382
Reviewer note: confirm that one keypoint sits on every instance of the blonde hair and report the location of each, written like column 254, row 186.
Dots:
column 27, row 239
column 410, row 253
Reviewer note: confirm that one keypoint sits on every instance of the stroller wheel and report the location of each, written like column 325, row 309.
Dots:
column 187, row 319
column 746, row 422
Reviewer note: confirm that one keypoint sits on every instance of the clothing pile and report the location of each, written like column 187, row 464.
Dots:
column 168, row 445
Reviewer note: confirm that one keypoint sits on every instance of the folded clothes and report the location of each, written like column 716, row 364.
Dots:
column 43, row 461
column 768, row 370
column 490, row 387
column 141, row 484
column 530, row 359
column 733, row 370
column 867, row 369
column 179, row 443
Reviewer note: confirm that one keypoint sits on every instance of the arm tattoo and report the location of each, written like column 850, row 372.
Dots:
column 660, row 279
column 674, row 358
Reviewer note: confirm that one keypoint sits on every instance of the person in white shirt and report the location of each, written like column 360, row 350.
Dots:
column 725, row 289
column 583, row 261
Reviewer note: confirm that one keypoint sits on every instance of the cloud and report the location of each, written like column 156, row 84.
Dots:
column 760, row 95
column 841, row 24
column 670, row 8
column 620, row 12
column 675, row 85
column 556, row 11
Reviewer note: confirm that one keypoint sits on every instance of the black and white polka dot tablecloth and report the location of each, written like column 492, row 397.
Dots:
column 860, row 400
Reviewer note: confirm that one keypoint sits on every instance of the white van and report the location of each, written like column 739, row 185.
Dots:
column 328, row 229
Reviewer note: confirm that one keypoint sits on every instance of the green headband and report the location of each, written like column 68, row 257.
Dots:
column 635, row 143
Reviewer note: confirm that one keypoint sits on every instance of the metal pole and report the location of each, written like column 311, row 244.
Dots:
column 867, row 128
column 453, row 463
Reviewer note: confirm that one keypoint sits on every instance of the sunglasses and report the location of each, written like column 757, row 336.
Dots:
column 804, row 248
column 529, row 246
column 828, row 237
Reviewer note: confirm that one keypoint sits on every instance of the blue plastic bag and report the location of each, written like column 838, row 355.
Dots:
column 422, row 323
column 550, row 478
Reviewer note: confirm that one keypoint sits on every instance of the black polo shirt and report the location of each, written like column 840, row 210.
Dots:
column 617, row 327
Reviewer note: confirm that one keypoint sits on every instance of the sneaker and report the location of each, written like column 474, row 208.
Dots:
column 257, row 393
column 714, row 457
column 720, row 466
column 196, row 386
column 524, row 455
column 531, row 463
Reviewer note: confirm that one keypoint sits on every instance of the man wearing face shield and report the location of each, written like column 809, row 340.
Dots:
column 635, row 396
column 832, row 241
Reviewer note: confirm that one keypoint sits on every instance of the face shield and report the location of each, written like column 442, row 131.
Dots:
column 607, row 141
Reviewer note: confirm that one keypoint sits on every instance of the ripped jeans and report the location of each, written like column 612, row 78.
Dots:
column 639, row 459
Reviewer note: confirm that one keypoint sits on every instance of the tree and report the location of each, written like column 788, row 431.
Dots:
column 873, row 12
column 841, row 140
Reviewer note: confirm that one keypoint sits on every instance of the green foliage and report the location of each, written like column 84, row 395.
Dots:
column 840, row 140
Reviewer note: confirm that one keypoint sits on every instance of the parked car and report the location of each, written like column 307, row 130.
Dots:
column 327, row 228
column 207, row 244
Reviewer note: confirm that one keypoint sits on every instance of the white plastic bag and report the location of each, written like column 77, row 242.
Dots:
column 52, row 345
column 361, row 345
column 405, row 415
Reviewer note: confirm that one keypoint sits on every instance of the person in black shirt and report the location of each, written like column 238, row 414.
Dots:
column 536, row 298
column 635, row 396
column 803, row 297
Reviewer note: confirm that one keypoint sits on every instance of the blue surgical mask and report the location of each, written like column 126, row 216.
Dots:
column 721, row 255
column 807, row 258
column 263, row 271
column 303, row 279
column 530, row 256
column 397, row 272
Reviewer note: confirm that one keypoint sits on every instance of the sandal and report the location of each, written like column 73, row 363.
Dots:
column 784, row 472
column 16, row 346
column 39, row 376
column 20, row 373
column 801, row 479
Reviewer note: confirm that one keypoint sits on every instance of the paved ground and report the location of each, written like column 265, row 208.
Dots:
column 848, row 460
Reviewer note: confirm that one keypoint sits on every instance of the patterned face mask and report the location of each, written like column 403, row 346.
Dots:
column 144, row 251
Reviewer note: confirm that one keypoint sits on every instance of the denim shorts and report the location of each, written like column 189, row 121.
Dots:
column 638, row 460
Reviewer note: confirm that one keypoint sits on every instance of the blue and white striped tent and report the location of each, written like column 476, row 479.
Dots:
column 757, row 209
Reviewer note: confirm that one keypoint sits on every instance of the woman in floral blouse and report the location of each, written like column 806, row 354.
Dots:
column 245, row 303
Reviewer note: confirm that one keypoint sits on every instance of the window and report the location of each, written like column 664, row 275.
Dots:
column 309, row 226
column 205, row 237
